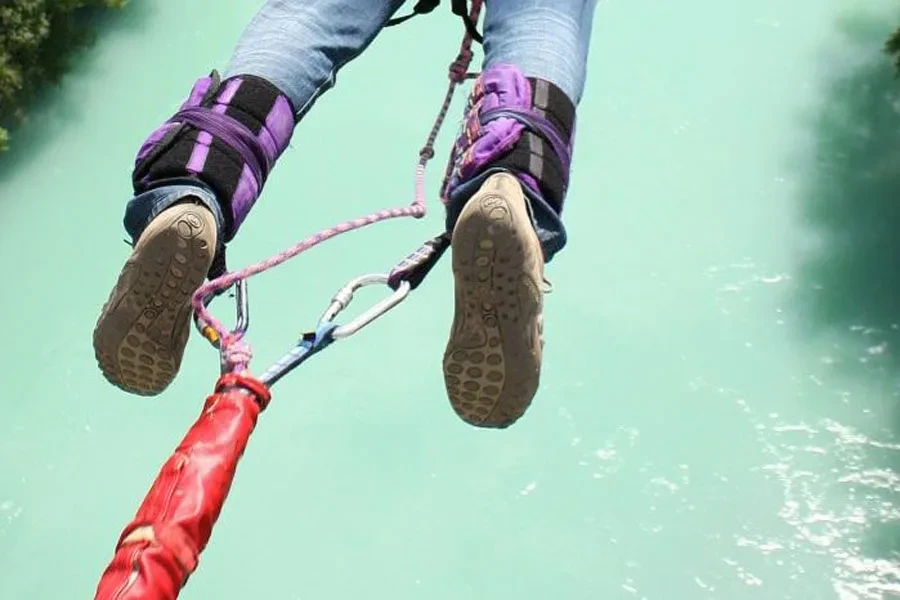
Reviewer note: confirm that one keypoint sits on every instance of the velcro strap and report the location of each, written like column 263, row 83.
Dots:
column 228, row 134
column 538, row 152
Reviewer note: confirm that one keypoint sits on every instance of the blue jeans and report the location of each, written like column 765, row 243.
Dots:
column 300, row 45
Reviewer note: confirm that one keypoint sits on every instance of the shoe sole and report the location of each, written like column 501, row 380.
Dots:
column 493, row 358
column 144, row 326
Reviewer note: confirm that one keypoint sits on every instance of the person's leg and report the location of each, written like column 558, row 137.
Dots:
column 504, row 199
column 197, row 177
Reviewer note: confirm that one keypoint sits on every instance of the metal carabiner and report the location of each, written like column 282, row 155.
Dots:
column 242, row 316
column 327, row 331
column 344, row 296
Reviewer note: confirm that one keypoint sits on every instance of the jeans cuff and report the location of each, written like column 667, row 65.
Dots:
column 145, row 207
column 547, row 224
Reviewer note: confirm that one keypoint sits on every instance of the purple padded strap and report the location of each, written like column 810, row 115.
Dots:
column 232, row 133
column 537, row 124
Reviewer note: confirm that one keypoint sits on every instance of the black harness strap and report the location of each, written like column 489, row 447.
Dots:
column 422, row 7
column 459, row 8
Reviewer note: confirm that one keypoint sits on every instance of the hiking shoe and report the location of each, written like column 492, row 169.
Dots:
column 492, row 363
column 144, row 326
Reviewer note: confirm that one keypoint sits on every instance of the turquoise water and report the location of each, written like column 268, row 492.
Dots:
column 719, row 412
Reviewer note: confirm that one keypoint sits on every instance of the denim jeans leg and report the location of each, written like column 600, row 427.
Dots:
column 548, row 39
column 300, row 45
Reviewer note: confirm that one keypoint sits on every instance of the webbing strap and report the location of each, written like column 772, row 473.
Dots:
column 422, row 7
column 460, row 8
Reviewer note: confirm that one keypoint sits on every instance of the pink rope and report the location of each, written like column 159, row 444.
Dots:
column 236, row 353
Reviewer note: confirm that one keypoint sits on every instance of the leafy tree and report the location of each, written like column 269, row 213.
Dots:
column 892, row 47
column 37, row 40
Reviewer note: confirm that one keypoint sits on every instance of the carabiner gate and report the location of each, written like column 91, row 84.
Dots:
column 344, row 296
column 242, row 316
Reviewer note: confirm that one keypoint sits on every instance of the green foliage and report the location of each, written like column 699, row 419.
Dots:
column 892, row 47
column 37, row 39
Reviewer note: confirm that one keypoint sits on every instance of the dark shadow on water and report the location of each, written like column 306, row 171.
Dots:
column 52, row 105
column 849, row 284
column 851, row 203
